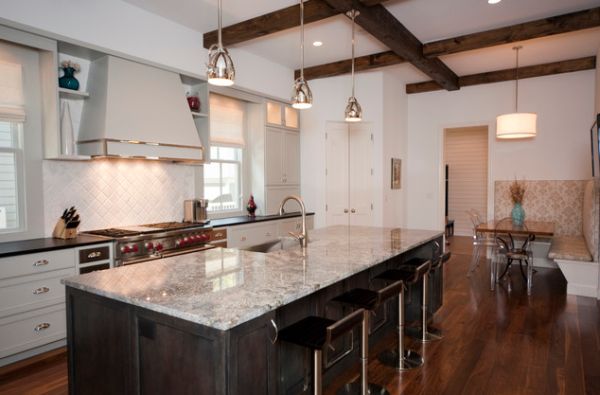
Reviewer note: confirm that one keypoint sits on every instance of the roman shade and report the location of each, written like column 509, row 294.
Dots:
column 226, row 120
column 12, row 108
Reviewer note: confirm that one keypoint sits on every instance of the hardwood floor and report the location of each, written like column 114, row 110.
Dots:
column 494, row 342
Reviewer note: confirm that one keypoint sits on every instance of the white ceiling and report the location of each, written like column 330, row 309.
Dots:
column 428, row 20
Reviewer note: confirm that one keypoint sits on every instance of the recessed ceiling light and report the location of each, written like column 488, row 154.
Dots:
column 317, row 43
column 494, row 1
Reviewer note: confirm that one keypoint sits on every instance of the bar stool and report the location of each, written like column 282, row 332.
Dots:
column 317, row 333
column 426, row 333
column 401, row 358
column 369, row 301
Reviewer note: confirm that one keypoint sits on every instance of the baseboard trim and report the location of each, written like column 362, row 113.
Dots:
column 582, row 277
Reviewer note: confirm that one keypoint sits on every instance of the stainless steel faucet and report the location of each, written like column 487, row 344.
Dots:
column 301, row 237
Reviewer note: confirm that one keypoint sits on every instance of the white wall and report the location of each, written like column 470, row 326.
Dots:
column 560, row 151
column 122, row 27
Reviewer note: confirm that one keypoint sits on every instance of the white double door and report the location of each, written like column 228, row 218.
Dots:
column 349, row 174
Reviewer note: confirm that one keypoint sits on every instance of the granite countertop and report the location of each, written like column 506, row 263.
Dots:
column 245, row 219
column 223, row 288
column 20, row 247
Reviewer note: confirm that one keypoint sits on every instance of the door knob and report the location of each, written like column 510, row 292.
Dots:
column 346, row 211
column 353, row 211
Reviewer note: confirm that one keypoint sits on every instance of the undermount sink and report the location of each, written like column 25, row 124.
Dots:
column 276, row 245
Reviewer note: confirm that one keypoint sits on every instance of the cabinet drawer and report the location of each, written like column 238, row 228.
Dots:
column 250, row 236
column 94, row 254
column 21, row 294
column 218, row 234
column 22, row 265
column 32, row 329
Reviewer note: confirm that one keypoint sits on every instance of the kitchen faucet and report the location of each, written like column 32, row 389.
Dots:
column 301, row 237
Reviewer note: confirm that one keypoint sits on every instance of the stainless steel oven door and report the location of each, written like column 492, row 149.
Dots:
column 163, row 255
column 188, row 251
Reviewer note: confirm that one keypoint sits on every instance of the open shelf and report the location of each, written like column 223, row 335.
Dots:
column 71, row 94
column 199, row 114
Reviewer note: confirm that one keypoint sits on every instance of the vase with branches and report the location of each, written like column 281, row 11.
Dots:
column 517, row 194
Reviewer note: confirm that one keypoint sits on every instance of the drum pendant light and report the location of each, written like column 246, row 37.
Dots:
column 301, row 96
column 220, row 70
column 353, row 111
column 516, row 125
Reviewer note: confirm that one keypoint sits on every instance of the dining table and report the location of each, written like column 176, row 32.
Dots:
column 537, row 228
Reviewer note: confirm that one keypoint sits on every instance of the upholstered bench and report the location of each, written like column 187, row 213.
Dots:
column 577, row 256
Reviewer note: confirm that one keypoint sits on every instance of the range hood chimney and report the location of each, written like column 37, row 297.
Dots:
column 137, row 111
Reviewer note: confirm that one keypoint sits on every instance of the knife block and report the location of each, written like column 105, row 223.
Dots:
column 61, row 232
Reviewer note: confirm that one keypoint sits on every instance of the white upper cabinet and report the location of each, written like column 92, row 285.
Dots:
column 282, row 157
column 283, row 115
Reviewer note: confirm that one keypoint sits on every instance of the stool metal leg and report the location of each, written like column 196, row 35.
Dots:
column 401, row 358
column 363, row 387
column 427, row 334
column 317, row 373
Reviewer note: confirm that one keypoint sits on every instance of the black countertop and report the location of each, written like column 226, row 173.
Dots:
column 245, row 219
column 32, row 246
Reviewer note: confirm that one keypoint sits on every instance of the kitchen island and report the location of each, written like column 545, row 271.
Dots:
column 207, row 322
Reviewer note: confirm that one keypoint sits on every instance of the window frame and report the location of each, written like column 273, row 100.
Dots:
column 241, row 176
column 18, row 150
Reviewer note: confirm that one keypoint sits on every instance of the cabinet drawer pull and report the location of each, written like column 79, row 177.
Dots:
column 243, row 238
column 41, row 262
column 41, row 327
column 274, row 339
column 353, row 211
column 41, row 290
column 218, row 235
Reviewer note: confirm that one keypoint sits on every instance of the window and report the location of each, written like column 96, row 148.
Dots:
column 12, row 116
column 223, row 176
column 222, row 179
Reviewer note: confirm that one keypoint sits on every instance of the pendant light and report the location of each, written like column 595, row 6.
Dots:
column 302, row 96
column 353, row 111
column 220, row 70
column 516, row 125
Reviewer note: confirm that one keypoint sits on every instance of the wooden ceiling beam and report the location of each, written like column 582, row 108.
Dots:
column 540, row 70
column 524, row 31
column 276, row 21
column 362, row 63
column 382, row 25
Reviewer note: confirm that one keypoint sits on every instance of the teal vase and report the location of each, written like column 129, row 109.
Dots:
column 518, row 215
column 68, row 81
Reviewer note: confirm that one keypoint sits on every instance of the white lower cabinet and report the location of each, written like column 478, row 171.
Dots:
column 21, row 332
column 32, row 301
column 250, row 235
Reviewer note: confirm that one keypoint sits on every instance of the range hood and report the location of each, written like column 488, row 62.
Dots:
column 137, row 111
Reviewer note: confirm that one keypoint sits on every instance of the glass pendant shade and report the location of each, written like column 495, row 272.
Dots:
column 353, row 111
column 220, row 70
column 302, row 96
column 516, row 125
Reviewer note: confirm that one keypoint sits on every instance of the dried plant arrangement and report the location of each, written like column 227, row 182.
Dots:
column 517, row 191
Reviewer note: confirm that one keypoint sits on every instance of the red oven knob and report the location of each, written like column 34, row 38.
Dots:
column 205, row 238
column 125, row 249
column 178, row 243
column 149, row 246
column 135, row 248
column 159, row 247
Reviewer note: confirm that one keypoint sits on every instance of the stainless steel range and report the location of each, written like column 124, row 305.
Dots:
column 135, row 244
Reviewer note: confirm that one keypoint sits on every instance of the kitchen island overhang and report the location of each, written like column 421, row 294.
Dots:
column 208, row 321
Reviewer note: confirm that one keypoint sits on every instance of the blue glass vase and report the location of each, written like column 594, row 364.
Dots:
column 518, row 215
column 68, row 81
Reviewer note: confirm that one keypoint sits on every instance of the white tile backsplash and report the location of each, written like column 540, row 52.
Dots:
column 110, row 193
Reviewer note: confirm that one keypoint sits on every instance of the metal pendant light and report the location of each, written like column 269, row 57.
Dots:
column 220, row 70
column 301, row 96
column 516, row 125
column 353, row 111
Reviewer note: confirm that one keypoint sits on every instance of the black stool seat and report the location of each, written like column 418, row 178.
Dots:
column 310, row 332
column 404, row 274
column 358, row 297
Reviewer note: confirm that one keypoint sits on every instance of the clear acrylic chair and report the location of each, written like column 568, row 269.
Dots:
column 508, row 251
column 481, row 240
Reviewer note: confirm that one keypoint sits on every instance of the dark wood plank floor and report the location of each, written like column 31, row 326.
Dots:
column 495, row 342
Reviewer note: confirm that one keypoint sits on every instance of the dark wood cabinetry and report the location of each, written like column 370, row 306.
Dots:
column 117, row 348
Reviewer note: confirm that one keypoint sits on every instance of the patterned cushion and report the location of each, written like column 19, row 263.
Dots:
column 591, row 215
column 571, row 248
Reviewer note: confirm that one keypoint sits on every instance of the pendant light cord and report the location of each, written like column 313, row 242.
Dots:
column 517, row 48
column 302, row 39
column 220, row 25
column 353, row 16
